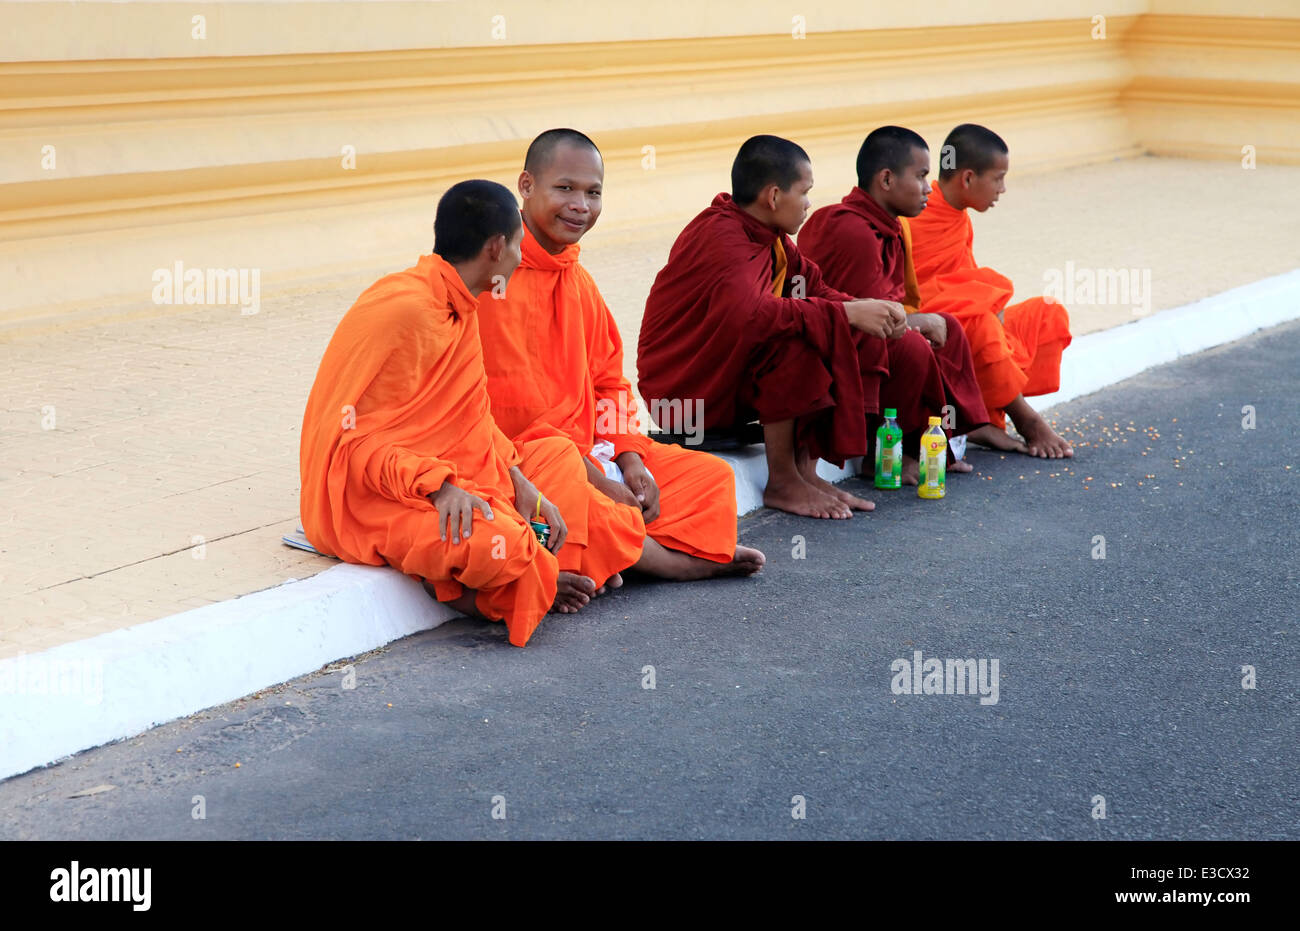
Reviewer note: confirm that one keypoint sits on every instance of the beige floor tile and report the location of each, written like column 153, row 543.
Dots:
column 188, row 423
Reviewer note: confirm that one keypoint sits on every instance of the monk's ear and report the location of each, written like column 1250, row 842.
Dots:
column 495, row 248
column 769, row 196
column 526, row 184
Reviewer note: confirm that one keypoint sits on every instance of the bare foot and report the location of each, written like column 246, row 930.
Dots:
column 747, row 561
column 847, row 497
column 911, row 470
column 573, row 592
column 808, row 469
column 795, row 496
column 465, row 602
column 853, row 501
column 613, row 582
column 658, row 560
column 1041, row 440
column 960, row 465
column 990, row 436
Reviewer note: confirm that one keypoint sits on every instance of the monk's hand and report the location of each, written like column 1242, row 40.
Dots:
column 873, row 317
column 932, row 326
column 642, row 483
column 526, row 498
column 897, row 319
column 616, row 491
column 456, row 511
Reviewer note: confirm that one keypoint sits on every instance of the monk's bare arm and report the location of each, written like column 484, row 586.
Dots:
column 638, row 478
column 594, row 474
column 530, row 503
column 616, row 491
column 455, row 507
column 884, row 319
column 865, row 312
column 932, row 326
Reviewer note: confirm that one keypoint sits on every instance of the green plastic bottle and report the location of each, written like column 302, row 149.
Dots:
column 889, row 452
column 933, row 461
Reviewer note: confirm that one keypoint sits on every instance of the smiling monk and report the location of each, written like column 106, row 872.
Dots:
column 401, row 461
column 555, row 369
column 1017, row 348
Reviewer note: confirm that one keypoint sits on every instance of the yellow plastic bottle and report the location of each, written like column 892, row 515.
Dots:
column 934, row 461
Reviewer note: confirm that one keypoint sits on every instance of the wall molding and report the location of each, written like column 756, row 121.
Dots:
column 185, row 143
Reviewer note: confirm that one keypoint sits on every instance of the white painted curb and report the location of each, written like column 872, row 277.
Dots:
column 119, row 684
column 122, row 683
column 1094, row 361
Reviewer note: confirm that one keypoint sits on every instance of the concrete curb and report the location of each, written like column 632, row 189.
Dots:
column 1103, row 358
column 116, row 685
column 90, row 692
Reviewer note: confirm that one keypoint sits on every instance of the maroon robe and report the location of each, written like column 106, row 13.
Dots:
column 862, row 249
column 714, row 330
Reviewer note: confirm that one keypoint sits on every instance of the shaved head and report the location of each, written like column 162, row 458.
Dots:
column 561, row 184
column 471, row 213
column 970, row 146
column 542, row 149
column 887, row 147
column 764, row 160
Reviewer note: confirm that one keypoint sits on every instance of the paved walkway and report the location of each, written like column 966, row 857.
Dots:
column 1118, row 677
column 149, row 465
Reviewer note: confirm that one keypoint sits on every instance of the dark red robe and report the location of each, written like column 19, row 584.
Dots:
column 862, row 248
column 714, row 330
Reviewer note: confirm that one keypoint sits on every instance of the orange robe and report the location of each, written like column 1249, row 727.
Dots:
column 555, row 368
column 1019, row 354
column 399, row 406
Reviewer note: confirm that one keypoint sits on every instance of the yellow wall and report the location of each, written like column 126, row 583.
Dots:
column 228, row 150
column 54, row 31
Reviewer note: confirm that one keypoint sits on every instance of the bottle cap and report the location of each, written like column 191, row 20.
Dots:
column 891, row 412
column 935, row 421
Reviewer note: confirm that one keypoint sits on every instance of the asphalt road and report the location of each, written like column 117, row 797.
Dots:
column 1119, row 677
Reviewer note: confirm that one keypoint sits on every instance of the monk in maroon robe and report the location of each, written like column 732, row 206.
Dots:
column 742, row 324
column 862, row 246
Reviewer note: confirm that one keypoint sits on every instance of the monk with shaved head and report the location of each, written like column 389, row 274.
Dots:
column 403, row 464
column 1017, row 347
column 742, row 318
column 863, row 246
column 555, row 369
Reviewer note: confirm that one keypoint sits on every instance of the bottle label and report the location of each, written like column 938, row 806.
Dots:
column 933, row 471
column 889, row 459
column 933, row 465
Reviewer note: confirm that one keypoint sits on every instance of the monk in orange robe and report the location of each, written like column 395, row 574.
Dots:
column 555, row 369
column 1017, row 348
column 862, row 245
column 399, row 449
